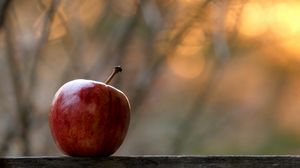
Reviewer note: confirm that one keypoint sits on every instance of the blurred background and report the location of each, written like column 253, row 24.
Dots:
column 202, row 76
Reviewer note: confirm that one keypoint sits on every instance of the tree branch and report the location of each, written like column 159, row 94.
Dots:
column 23, row 88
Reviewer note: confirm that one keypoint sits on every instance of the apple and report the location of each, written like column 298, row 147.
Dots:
column 89, row 118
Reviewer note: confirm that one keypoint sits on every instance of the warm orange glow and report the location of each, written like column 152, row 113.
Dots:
column 285, row 19
column 253, row 21
column 58, row 25
column 90, row 10
column 189, row 2
column 186, row 66
column 282, row 19
column 187, row 60
column 286, row 25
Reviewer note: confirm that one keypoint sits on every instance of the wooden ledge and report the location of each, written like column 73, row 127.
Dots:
column 261, row 161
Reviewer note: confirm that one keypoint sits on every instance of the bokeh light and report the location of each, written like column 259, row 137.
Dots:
column 195, row 72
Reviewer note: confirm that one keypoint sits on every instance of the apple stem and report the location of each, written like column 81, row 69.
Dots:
column 116, row 70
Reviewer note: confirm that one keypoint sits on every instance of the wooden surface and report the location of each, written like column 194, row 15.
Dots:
column 154, row 161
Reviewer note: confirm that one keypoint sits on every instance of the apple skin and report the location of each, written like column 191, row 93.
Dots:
column 89, row 118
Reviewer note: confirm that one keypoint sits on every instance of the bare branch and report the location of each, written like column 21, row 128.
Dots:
column 123, row 34
column 15, row 70
column 49, row 15
column 222, row 53
column 185, row 126
column 149, row 75
column 4, row 5
column 7, row 137
column 21, row 90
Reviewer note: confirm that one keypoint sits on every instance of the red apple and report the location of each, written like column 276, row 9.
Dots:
column 89, row 118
